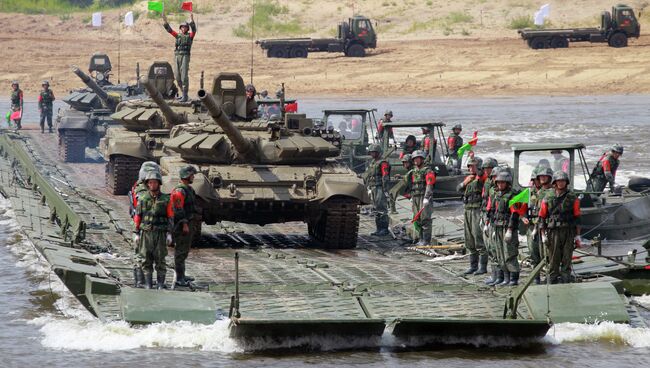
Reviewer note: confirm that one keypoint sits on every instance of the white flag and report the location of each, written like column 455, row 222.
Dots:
column 128, row 19
column 543, row 12
column 97, row 19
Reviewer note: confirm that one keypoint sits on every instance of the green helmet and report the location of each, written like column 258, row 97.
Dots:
column 146, row 167
column 184, row 24
column 504, row 175
column 419, row 153
column 490, row 163
column 374, row 148
column 153, row 175
column 186, row 171
column 457, row 126
column 475, row 161
column 544, row 171
column 560, row 175
column 533, row 174
column 45, row 83
column 407, row 157
column 389, row 113
column 495, row 171
column 14, row 83
column 617, row 148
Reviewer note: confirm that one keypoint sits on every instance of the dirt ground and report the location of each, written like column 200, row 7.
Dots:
column 45, row 47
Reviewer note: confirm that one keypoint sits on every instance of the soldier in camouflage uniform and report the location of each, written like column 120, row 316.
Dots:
column 560, row 220
column 182, row 49
column 543, row 176
column 46, row 105
column 505, row 224
column 154, row 219
column 186, row 223
column 490, row 170
column 605, row 171
column 377, row 177
column 16, row 101
column 421, row 183
column 388, row 117
column 251, row 104
column 472, row 188
column 454, row 142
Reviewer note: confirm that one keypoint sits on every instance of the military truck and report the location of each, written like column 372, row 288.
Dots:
column 353, row 38
column 615, row 29
column 357, row 128
column 85, row 122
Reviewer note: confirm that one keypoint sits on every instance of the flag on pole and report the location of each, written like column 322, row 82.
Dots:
column 416, row 220
column 128, row 19
column 18, row 114
column 543, row 13
column 468, row 146
column 156, row 6
column 187, row 5
column 8, row 116
column 522, row 197
column 97, row 19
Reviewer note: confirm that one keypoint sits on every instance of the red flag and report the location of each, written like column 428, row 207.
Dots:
column 187, row 5
column 16, row 115
column 474, row 139
column 291, row 107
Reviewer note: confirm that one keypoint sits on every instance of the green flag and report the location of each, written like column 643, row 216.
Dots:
column 8, row 116
column 520, row 198
column 156, row 6
column 462, row 149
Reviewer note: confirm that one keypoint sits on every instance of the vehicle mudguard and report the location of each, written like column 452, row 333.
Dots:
column 73, row 120
column 352, row 187
column 129, row 148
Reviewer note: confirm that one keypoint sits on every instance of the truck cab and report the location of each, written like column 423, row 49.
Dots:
column 357, row 34
column 624, row 20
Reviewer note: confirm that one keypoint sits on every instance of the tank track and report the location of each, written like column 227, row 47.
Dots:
column 338, row 228
column 72, row 145
column 121, row 173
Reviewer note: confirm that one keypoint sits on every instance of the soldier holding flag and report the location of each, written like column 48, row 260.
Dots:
column 421, row 182
column 183, row 46
column 16, row 104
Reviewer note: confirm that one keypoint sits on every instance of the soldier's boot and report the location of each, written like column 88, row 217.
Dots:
column 506, row 279
column 499, row 278
column 148, row 280
column 185, row 97
column 180, row 275
column 138, row 276
column 377, row 225
column 42, row 129
column 514, row 279
column 490, row 280
column 160, row 280
column 482, row 262
column 473, row 264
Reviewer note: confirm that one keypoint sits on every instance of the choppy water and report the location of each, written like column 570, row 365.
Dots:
column 41, row 324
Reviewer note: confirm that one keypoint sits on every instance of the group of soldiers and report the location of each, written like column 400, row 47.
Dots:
column 45, row 105
column 162, row 220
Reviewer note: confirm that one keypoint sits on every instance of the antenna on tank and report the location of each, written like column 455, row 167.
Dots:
column 252, row 37
column 119, row 43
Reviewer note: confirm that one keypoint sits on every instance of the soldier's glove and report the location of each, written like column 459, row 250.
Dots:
column 508, row 236
column 136, row 237
column 425, row 202
column 169, row 239
column 578, row 242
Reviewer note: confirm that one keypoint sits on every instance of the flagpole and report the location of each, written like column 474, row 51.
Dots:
column 252, row 37
column 119, row 43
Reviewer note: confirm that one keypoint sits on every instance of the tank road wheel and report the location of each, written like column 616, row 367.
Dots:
column 559, row 43
column 72, row 145
column 298, row 52
column 538, row 43
column 356, row 50
column 277, row 52
column 618, row 40
column 338, row 225
column 121, row 173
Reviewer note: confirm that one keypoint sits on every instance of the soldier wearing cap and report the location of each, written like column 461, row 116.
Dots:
column 472, row 188
column 421, row 181
column 560, row 221
column 454, row 142
column 182, row 49
column 46, row 105
column 16, row 101
column 377, row 177
column 605, row 171
column 186, row 221
column 154, row 220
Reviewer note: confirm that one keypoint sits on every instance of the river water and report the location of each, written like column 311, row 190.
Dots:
column 41, row 324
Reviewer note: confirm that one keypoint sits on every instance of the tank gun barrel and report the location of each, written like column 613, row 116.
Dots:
column 172, row 117
column 242, row 145
column 88, row 81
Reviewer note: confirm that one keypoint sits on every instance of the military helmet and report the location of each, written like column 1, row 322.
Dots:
column 457, row 126
column 389, row 113
column 490, row 163
column 617, row 148
column 560, row 175
column 407, row 157
column 250, row 88
column 14, row 83
column 374, row 148
column 186, row 171
column 45, row 83
column 153, row 175
column 544, row 171
column 533, row 174
column 504, row 175
column 412, row 138
column 475, row 161
column 264, row 93
column 146, row 167
column 495, row 171
column 418, row 153
column 184, row 24
column 279, row 93
column 425, row 130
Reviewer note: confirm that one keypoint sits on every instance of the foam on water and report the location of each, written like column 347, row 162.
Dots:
column 603, row 332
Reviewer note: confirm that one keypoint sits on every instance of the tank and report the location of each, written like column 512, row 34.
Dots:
column 264, row 171
column 86, row 120
column 141, row 126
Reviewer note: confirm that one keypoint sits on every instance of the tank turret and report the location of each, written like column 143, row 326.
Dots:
column 108, row 101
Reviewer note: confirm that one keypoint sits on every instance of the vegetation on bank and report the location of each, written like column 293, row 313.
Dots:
column 269, row 18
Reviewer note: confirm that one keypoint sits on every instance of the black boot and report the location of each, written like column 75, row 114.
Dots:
column 160, row 280
column 180, row 275
column 514, row 279
column 148, row 280
column 490, row 280
column 506, row 279
column 482, row 262
column 138, row 276
column 499, row 279
column 473, row 264
column 377, row 225
column 185, row 96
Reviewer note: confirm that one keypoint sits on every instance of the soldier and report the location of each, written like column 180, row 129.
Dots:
column 45, row 106
column 377, row 180
column 472, row 188
column 426, row 140
column 184, row 41
column 154, row 219
column 605, row 170
column 505, row 223
column 388, row 117
column 410, row 145
column 185, row 221
column 455, row 141
column 264, row 95
column 421, row 183
column 543, row 176
column 251, row 104
column 16, row 102
column 560, row 221
column 489, row 188
column 407, row 162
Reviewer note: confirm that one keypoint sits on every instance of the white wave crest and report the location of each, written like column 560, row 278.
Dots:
column 604, row 332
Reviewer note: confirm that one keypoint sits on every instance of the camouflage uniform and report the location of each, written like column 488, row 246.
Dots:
column 535, row 248
column 455, row 141
column 605, row 172
column 486, row 196
column 185, row 212
column 17, row 103
column 472, row 217
column 45, row 105
column 377, row 177
column 504, row 221
column 183, row 47
column 422, row 181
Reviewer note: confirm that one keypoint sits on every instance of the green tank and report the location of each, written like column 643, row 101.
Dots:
column 267, row 171
column 86, row 120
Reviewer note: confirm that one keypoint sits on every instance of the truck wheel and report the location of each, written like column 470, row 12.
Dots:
column 356, row 50
column 298, row 52
column 277, row 52
column 618, row 40
column 559, row 43
column 538, row 43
